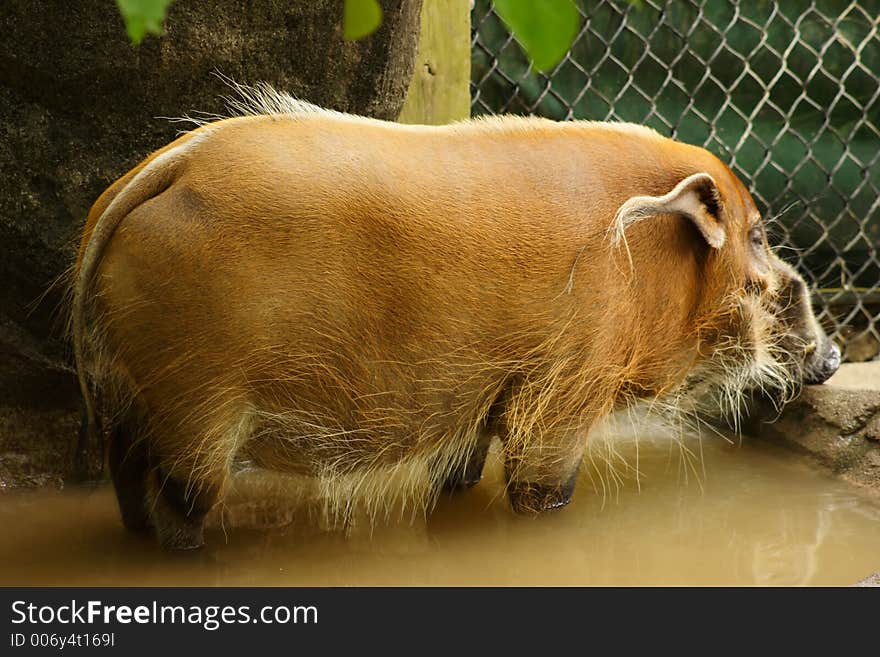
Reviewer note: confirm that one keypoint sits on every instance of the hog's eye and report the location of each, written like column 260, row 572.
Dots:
column 756, row 236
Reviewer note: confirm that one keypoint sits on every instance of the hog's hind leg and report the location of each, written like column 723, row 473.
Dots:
column 469, row 471
column 189, row 468
column 179, row 507
column 129, row 464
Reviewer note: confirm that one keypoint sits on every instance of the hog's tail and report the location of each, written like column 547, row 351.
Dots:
column 154, row 178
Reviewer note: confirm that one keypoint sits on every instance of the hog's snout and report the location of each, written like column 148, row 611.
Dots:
column 824, row 364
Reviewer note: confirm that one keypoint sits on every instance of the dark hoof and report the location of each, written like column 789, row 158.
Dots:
column 457, row 482
column 179, row 515
column 530, row 498
column 136, row 523
column 468, row 475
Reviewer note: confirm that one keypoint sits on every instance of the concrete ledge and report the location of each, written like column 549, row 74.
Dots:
column 861, row 376
column 838, row 424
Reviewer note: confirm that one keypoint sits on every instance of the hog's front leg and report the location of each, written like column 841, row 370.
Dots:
column 542, row 477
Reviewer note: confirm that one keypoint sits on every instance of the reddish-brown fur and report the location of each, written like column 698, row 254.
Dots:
column 336, row 295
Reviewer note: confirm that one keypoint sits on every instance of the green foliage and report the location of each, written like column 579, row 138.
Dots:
column 360, row 18
column 143, row 17
column 545, row 29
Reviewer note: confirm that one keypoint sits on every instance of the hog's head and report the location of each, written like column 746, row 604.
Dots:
column 756, row 332
column 814, row 357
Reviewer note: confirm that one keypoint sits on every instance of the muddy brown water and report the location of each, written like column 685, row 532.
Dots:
column 744, row 514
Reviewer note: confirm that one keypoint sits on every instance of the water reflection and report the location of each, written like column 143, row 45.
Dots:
column 740, row 514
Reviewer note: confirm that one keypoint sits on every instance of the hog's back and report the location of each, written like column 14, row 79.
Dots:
column 347, row 286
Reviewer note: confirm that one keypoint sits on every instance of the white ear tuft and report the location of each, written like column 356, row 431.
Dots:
column 696, row 197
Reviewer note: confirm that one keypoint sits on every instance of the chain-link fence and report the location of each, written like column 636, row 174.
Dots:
column 788, row 93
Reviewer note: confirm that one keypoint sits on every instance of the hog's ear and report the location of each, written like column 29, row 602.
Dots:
column 696, row 197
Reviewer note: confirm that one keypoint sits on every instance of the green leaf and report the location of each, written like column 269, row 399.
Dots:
column 143, row 17
column 360, row 18
column 545, row 28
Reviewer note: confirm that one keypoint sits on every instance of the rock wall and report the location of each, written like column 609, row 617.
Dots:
column 79, row 106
